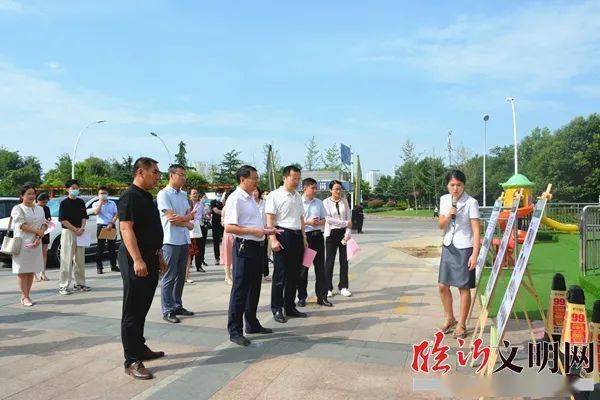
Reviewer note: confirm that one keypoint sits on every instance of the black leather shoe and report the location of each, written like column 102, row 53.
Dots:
column 138, row 371
column 172, row 318
column 200, row 269
column 99, row 271
column 279, row 317
column 240, row 340
column 152, row 355
column 262, row 330
column 115, row 269
column 324, row 302
column 295, row 314
column 184, row 312
column 302, row 303
column 204, row 264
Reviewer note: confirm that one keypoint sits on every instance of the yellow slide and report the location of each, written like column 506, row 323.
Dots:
column 559, row 226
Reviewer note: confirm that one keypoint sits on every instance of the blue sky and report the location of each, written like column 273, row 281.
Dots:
column 224, row 75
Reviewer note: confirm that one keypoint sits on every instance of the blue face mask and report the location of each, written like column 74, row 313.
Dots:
column 74, row 192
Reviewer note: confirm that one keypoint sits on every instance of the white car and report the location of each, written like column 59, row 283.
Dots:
column 54, row 246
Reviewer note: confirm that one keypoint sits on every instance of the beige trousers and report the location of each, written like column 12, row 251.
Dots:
column 72, row 260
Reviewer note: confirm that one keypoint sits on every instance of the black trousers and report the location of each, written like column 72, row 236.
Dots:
column 102, row 245
column 315, row 242
column 266, row 260
column 217, row 231
column 332, row 244
column 286, row 271
column 199, row 259
column 137, row 298
column 360, row 219
column 248, row 258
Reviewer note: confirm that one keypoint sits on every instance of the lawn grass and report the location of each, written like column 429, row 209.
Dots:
column 404, row 213
column 547, row 258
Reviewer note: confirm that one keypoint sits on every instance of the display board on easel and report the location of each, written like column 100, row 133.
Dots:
column 516, row 279
column 491, row 284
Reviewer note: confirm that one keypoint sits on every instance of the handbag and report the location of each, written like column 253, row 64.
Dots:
column 196, row 233
column 11, row 245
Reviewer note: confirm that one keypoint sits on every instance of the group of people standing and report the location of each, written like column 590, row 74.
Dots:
column 157, row 239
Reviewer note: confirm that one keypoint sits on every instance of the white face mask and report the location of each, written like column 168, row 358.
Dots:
column 103, row 196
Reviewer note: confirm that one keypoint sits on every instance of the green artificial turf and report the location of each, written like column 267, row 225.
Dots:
column 552, row 253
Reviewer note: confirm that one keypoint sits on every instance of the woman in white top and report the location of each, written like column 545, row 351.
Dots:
column 29, row 224
column 459, row 219
column 338, row 225
column 226, row 259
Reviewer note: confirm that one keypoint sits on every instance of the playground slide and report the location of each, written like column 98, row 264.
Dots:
column 559, row 226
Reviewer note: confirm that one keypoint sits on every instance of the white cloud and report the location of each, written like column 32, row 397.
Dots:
column 538, row 46
column 11, row 5
column 55, row 66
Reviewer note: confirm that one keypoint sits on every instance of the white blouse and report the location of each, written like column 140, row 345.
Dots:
column 338, row 217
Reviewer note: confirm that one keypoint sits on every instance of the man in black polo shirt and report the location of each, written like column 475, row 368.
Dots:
column 140, row 260
column 216, row 208
column 73, row 217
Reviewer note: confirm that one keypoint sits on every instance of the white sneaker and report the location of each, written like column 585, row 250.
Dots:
column 329, row 293
column 345, row 292
column 189, row 281
column 64, row 291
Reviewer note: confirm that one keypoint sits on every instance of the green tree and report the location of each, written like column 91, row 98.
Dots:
column 181, row 156
column 331, row 158
column 16, row 170
column 228, row 167
column 61, row 172
column 312, row 160
column 195, row 180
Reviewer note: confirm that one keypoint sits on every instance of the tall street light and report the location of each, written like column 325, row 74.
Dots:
column 77, row 144
column 511, row 100
column 486, row 118
column 164, row 144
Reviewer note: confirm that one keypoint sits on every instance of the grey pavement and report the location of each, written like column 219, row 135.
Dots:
column 69, row 346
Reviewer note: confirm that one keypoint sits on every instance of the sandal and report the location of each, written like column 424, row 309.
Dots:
column 26, row 302
column 460, row 332
column 448, row 326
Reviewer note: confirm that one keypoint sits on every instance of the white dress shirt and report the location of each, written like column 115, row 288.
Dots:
column 459, row 231
column 287, row 208
column 338, row 217
column 241, row 209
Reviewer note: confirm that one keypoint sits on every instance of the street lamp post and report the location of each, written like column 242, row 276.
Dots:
column 164, row 144
column 486, row 118
column 77, row 144
column 511, row 100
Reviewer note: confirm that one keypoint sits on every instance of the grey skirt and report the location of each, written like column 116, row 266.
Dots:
column 454, row 267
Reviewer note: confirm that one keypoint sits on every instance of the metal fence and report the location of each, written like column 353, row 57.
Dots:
column 590, row 239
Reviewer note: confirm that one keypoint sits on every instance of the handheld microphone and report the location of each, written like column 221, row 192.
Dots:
column 454, row 201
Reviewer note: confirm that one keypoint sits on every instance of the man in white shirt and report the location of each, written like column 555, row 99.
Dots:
column 244, row 220
column 285, row 211
column 176, row 218
column 106, row 217
column 314, row 220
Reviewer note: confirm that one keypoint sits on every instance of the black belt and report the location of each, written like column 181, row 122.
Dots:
column 250, row 243
column 295, row 231
column 315, row 232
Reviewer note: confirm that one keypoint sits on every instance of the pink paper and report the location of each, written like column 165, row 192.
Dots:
column 352, row 248
column 50, row 227
column 309, row 256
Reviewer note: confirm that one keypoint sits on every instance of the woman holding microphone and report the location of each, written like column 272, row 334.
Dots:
column 459, row 219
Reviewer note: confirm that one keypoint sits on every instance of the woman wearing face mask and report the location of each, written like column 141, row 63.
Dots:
column 42, row 200
column 29, row 224
column 459, row 219
column 196, row 235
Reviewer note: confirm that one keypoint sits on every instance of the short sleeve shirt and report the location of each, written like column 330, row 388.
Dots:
column 287, row 208
column 136, row 205
column 459, row 231
column 176, row 201
column 313, row 208
column 241, row 209
column 72, row 210
column 107, row 212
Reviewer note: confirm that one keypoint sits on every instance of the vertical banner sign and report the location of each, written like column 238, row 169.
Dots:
column 557, row 310
column 517, row 275
column 491, row 284
column 346, row 154
column 487, row 240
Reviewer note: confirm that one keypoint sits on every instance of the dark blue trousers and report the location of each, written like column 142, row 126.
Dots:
column 248, row 258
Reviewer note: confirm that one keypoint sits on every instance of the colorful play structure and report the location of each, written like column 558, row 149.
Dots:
column 511, row 186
